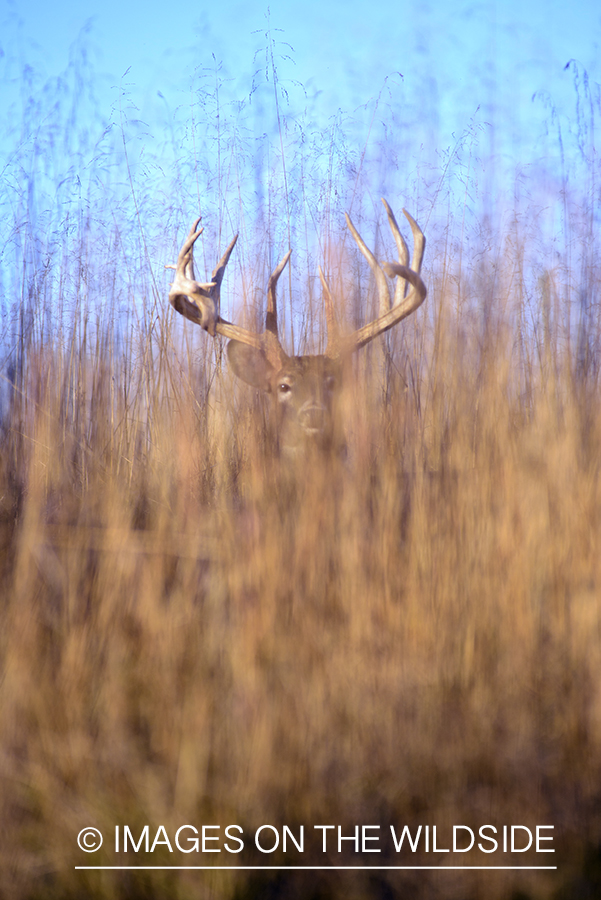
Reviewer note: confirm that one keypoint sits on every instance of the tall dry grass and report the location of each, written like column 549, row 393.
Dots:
column 410, row 636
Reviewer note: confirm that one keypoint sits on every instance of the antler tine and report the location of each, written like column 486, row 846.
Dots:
column 419, row 243
column 402, row 250
column 272, row 340
column 383, row 292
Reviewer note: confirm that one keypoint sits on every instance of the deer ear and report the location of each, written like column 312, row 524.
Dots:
column 250, row 364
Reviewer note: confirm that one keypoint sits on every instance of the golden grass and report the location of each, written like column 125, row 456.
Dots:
column 189, row 635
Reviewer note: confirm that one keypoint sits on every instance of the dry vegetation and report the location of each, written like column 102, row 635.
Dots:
column 412, row 636
column 188, row 635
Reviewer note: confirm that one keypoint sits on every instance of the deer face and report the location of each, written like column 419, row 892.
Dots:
column 304, row 393
column 304, row 390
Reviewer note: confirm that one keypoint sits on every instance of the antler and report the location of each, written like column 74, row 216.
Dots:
column 391, row 312
column 200, row 303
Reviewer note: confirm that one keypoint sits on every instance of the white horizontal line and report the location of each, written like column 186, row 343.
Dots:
column 324, row 868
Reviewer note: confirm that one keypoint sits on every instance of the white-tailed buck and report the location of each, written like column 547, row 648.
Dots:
column 303, row 389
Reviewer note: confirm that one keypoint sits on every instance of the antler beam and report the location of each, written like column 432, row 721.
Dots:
column 391, row 311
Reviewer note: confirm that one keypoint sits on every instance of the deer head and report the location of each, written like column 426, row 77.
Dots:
column 303, row 389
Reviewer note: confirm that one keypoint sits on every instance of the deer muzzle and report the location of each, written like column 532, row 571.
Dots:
column 313, row 418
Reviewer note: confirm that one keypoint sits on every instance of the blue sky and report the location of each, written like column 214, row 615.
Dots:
column 434, row 71
column 464, row 53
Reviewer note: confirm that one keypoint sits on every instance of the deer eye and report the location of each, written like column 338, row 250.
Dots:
column 330, row 382
column 284, row 388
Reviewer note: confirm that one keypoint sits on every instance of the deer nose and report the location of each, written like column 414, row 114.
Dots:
column 312, row 417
